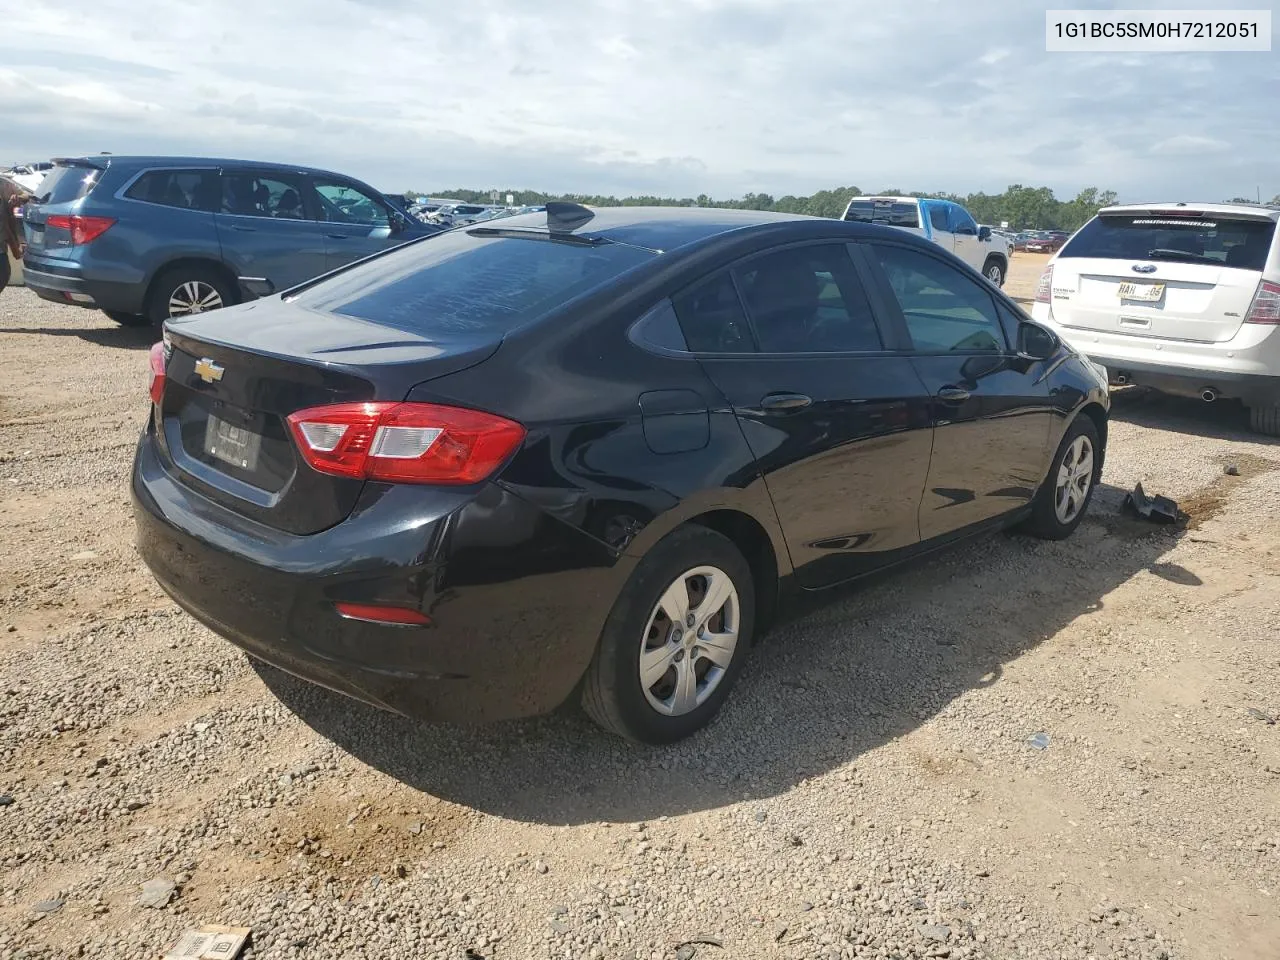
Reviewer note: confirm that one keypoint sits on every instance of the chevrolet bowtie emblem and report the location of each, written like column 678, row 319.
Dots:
column 208, row 371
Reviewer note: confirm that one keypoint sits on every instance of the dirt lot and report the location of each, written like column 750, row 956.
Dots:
column 872, row 789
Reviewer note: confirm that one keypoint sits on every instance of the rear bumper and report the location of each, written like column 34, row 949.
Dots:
column 507, row 639
column 63, row 281
column 1246, row 367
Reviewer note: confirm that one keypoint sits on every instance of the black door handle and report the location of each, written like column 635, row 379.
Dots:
column 785, row 402
column 244, row 229
column 953, row 394
column 336, row 236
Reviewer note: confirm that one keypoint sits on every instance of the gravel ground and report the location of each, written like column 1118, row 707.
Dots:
column 872, row 789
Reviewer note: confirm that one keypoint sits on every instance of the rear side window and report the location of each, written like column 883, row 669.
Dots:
column 712, row 318
column 808, row 300
column 1212, row 239
column 455, row 283
column 189, row 189
column 893, row 212
column 66, row 184
column 938, row 218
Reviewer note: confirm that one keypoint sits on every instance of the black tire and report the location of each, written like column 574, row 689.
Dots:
column 1265, row 420
column 173, row 279
column 127, row 319
column 1044, row 521
column 612, row 693
column 995, row 271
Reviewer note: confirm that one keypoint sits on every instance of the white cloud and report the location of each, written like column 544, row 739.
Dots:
column 677, row 97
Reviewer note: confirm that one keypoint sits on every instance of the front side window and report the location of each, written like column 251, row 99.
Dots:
column 344, row 203
column 250, row 195
column 808, row 300
column 960, row 220
column 945, row 311
column 188, row 189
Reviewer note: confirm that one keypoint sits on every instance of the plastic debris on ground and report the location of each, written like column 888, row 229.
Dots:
column 1156, row 508
column 1039, row 741
column 210, row 942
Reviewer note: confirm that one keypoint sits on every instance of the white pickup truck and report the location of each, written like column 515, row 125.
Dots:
column 947, row 224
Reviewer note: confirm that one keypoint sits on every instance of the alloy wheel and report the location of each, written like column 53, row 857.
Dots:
column 193, row 296
column 1075, row 477
column 689, row 641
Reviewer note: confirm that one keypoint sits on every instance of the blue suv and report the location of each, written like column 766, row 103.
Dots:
column 148, row 238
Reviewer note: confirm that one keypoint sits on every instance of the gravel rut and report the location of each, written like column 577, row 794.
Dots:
column 873, row 788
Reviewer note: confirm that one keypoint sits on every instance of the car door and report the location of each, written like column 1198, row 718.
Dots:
column 990, row 409
column 266, row 229
column 356, row 223
column 833, row 412
column 935, row 211
column 964, row 232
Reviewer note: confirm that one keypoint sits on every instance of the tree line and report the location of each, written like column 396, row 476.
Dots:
column 1024, row 208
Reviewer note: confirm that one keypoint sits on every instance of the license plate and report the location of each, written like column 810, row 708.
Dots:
column 237, row 446
column 1148, row 292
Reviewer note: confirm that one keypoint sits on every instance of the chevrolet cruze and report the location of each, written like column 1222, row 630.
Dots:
column 591, row 453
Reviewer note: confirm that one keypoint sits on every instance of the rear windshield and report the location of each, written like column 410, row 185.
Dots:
column 455, row 283
column 896, row 214
column 1211, row 239
column 65, row 184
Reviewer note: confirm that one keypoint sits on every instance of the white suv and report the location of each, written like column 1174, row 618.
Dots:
column 1184, row 298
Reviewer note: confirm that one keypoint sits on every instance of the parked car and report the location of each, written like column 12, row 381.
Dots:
column 945, row 223
column 459, row 478
column 28, row 175
column 148, row 238
column 1046, row 241
column 1181, row 297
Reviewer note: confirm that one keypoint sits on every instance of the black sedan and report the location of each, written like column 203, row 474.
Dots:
column 592, row 452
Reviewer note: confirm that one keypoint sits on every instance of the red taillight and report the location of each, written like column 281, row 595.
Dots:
column 404, row 442
column 382, row 613
column 1266, row 304
column 83, row 229
column 1045, row 289
column 157, row 372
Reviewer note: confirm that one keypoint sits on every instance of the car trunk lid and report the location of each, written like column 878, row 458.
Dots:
column 233, row 377
column 1188, row 275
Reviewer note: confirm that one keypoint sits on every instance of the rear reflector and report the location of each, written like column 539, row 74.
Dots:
column 380, row 613
column 83, row 229
column 157, row 359
column 404, row 442
column 1045, row 289
column 1266, row 304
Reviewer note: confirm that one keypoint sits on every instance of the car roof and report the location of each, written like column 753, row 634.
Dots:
column 666, row 228
column 163, row 161
column 1237, row 209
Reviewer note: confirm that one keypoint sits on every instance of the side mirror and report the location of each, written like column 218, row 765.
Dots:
column 984, row 233
column 398, row 221
column 1035, row 342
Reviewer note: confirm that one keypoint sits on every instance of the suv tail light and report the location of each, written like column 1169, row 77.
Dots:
column 83, row 229
column 404, row 442
column 1266, row 304
column 1045, row 289
column 157, row 358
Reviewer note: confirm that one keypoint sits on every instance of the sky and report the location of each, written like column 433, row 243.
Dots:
column 666, row 97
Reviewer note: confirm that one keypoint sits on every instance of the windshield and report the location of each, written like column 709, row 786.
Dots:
column 456, row 283
column 1211, row 239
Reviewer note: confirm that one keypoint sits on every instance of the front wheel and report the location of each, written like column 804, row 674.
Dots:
column 675, row 640
column 1064, row 496
column 185, row 290
column 994, row 271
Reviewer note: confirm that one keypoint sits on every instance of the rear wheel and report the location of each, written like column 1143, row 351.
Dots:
column 1265, row 420
column 185, row 290
column 994, row 271
column 127, row 319
column 675, row 640
column 1065, row 494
